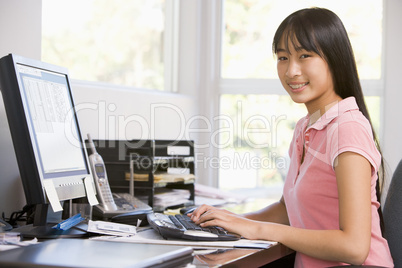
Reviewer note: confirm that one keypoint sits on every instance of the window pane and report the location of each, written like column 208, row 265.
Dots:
column 251, row 24
column 254, row 143
column 255, row 152
column 118, row 42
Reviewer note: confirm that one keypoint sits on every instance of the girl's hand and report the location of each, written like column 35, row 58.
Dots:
column 211, row 216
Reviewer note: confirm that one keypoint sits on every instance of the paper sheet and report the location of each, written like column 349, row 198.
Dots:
column 52, row 195
column 90, row 191
column 111, row 228
column 150, row 236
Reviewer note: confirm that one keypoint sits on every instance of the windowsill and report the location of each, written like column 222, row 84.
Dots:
column 109, row 86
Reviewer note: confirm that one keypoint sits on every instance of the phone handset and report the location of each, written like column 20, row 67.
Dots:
column 100, row 177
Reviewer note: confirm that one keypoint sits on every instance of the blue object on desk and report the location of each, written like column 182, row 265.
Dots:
column 70, row 222
column 187, row 210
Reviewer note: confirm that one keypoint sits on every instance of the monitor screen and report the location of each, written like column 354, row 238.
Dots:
column 56, row 132
column 44, row 128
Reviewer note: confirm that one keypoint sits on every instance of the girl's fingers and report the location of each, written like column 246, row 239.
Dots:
column 195, row 215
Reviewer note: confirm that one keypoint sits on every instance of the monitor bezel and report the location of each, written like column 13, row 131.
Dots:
column 68, row 185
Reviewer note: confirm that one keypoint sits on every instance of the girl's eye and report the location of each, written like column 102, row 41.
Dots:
column 282, row 58
column 304, row 56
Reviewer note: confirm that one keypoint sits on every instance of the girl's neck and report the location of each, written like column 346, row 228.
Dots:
column 315, row 112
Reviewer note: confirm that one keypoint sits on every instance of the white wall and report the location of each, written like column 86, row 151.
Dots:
column 108, row 112
column 392, row 102
column 20, row 31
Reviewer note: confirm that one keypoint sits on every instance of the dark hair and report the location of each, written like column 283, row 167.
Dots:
column 321, row 31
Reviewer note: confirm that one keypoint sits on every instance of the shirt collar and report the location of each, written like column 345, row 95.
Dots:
column 341, row 107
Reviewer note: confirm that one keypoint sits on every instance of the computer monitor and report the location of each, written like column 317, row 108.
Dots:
column 45, row 132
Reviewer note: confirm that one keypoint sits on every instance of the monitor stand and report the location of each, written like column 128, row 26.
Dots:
column 41, row 229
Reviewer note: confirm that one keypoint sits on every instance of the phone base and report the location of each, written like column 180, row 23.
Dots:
column 125, row 217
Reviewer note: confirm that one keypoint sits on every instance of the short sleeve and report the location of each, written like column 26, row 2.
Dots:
column 354, row 136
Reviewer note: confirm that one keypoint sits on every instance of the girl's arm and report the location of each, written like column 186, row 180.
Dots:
column 350, row 244
column 275, row 212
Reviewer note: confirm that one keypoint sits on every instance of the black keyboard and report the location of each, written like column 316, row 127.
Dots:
column 182, row 227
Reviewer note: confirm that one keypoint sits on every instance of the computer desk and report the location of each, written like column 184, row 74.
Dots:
column 242, row 257
column 210, row 257
column 86, row 253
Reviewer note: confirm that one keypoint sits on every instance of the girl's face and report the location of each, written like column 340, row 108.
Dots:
column 306, row 77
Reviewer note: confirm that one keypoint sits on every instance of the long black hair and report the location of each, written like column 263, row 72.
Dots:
column 321, row 31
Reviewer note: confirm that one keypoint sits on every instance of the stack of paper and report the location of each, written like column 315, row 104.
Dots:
column 167, row 177
column 165, row 197
column 11, row 240
column 111, row 228
column 163, row 177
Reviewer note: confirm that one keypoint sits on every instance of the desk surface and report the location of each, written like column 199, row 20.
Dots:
column 237, row 257
column 80, row 253
column 86, row 253
column 240, row 257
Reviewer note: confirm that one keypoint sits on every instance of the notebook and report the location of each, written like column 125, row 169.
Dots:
column 90, row 253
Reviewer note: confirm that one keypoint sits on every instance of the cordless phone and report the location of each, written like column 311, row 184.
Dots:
column 100, row 178
column 121, row 207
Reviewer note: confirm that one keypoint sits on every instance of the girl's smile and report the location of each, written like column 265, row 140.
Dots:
column 297, row 87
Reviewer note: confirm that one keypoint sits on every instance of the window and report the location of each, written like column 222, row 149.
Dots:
column 251, row 24
column 123, row 42
column 252, row 97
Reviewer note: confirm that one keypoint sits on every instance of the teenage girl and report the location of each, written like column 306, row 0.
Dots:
column 329, row 211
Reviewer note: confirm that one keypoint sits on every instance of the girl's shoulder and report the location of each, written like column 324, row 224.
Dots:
column 353, row 119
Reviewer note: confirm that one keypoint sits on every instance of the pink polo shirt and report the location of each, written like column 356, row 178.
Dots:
column 310, row 190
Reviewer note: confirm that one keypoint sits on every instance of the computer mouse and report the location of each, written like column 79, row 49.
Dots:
column 187, row 210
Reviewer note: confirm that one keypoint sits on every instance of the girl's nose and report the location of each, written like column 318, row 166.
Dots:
column 293, row 69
